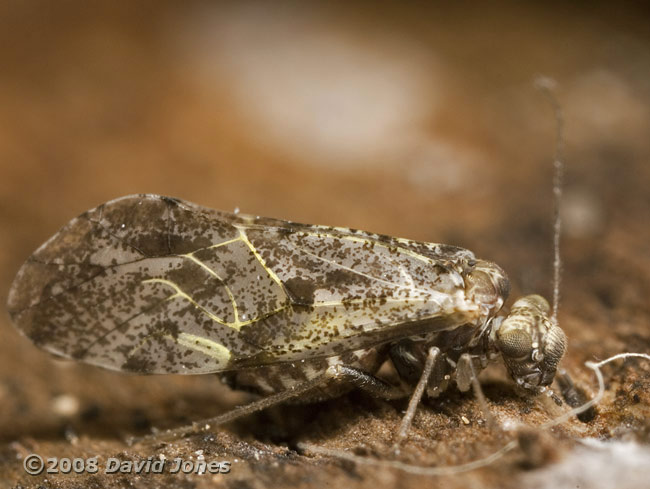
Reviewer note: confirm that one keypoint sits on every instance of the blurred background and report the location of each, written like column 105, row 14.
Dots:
column 410, row 119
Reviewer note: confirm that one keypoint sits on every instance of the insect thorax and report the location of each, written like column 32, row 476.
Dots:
column 486, row 288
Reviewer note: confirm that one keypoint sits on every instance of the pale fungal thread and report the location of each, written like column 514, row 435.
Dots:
column 485, row 461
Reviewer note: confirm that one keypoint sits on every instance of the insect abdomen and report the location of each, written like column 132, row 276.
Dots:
column 271, row 379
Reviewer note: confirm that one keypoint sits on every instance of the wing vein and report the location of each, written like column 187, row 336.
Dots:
column 357, row 272
column 113, row 235
column 72, row 287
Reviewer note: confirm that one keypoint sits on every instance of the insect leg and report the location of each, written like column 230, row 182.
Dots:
column 432, row 356
column 574, row 396
column 465, row 375
column 341, row 373
column 239, row 411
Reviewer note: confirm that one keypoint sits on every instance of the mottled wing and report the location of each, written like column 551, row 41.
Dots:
column 350, row 289
column 156, row 285
column 118, row 287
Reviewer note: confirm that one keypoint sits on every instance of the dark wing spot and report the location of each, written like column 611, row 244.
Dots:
column 169, row 328
column 138, row 365
column 285, row 231
column 300, row 290
column 170, row 201
column 343, row 278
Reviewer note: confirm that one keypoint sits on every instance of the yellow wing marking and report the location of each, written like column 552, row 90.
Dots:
column 237, row 325
column 208, row 347
column 271, row 273
column 233, row 302
column 218, row 245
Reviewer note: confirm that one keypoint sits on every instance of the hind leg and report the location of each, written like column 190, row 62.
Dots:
column 337, row 375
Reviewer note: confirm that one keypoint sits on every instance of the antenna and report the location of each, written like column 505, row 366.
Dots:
column 547, row 87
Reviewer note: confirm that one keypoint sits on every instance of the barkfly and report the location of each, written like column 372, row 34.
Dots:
column 155, row 285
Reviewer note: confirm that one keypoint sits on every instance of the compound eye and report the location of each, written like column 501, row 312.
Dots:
column 515, row 343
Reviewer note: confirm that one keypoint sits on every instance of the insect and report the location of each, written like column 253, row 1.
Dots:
column 156, row 285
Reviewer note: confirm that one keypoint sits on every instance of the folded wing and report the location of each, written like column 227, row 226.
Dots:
column 157, row 285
